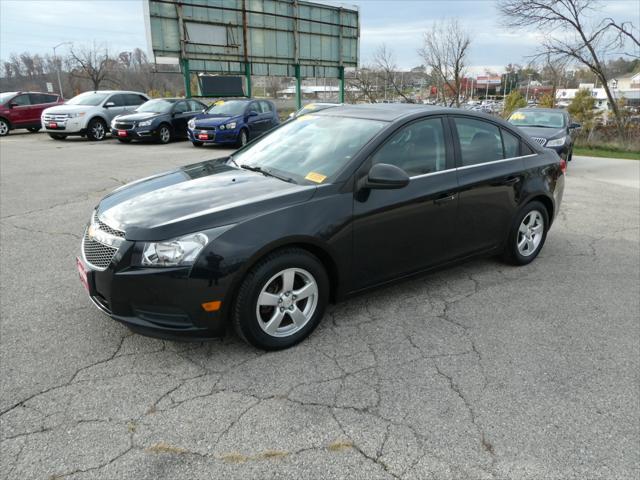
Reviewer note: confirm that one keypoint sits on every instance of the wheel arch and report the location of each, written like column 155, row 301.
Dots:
column 547, row 202
column 8, row 122
column 310, row 245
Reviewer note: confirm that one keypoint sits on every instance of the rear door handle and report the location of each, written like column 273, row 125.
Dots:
column 448, row 197
column 512, row 180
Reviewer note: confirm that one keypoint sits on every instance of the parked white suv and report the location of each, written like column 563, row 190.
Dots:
column 89, row 113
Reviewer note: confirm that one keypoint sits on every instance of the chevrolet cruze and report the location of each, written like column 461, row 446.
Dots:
column 325, row 206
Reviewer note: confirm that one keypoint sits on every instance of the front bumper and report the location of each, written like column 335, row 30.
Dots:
column 563, row 151
column 142, row 133
column 213, row 136
column 70, row 126
column 157, row 302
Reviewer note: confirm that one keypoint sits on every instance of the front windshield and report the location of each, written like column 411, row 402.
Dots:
column 310, row 148
column 156, row 106
column 89, row 98
column 4, row 97
column 540, row 118
column 228, row 109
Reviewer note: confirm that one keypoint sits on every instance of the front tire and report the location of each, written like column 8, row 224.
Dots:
column 164, row 134
column 58, row 136
column 281, row 300
column 528, row 234
column 243, row 138
column 4, row 127
column 97, row 130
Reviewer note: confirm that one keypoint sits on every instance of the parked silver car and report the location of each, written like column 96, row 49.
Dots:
column 90, row 113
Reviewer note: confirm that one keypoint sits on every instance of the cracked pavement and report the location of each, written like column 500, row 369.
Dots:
column 480, row 371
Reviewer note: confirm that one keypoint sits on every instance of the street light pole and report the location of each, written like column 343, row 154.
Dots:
column 55, row 59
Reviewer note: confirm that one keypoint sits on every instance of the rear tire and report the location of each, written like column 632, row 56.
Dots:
column 58, row 136
column 97, row 130
column 197, row 144
column 281, row 300
column 34, row 129
column 527, row 235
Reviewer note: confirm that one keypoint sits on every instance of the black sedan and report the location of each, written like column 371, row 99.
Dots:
column 549, row 127
column 319, row 209
column 160, row 119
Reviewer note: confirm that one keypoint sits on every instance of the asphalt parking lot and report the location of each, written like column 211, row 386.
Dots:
column 481, row 371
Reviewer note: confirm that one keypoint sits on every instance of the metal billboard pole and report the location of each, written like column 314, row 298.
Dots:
column 247, row 65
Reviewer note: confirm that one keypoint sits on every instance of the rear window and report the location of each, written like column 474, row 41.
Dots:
column 39, row 98
column 480, row 141
column 511, row 144
column 265, row 107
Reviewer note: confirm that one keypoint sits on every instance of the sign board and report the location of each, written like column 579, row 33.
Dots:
column 221, row 86
column 49, row 87
column 263, row 37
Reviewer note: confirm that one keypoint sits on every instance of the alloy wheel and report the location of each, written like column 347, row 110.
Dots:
column 530, row 233
column 243, row 138
column 165, row 135
column 287, row 302
column 4, row 128
column 98, row 131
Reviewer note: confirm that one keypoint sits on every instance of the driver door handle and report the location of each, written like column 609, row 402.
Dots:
column 447, row 197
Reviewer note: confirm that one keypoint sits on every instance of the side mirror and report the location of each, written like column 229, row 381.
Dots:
column 109, row 104
column 12, row 105
column 253, row 113
column 574, row 125
column 383, row 176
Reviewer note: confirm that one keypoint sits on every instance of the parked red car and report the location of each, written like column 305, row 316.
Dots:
column 23, row 109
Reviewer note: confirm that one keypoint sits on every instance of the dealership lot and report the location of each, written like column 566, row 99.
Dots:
column 481, row 371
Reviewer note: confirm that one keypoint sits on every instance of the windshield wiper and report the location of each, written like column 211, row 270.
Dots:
column 265, row 172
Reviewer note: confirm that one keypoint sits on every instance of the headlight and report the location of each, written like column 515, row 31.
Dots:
column 231, row 126
column 180, row 251
column 146, row 123
column 556, row 142
column 191, row 124
column 77, row 114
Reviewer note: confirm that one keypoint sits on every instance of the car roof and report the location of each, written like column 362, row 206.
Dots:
column 378, row 111
column 113, row 91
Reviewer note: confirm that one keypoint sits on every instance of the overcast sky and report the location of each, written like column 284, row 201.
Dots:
column 38, row 25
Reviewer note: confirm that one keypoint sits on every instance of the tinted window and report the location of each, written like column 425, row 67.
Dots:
column 133, row 99
column 417, row 148
column 181, row 107
column 479, row 141
column 265, row 107
column 254, row 107
column 39, row 98
column 22, row 100
column 511, row 144
column 118, row 99
column 526, row 149
column 195, row 106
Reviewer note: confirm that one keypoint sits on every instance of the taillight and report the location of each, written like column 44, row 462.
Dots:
column 563, row 165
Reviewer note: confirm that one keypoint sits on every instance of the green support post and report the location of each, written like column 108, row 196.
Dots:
column 247, row 73
column 341, row 77
column 187, row 77
column 298, row 88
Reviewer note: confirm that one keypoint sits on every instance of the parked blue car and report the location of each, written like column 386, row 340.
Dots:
column 233, row 122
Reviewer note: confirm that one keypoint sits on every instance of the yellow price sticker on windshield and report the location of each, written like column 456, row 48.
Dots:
column 315, row 177
column 219, row 102
column 518, row 116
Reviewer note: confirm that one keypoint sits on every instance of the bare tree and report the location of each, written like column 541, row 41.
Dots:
column 384, row 61
column 570, row 35
column 94, row 63
column 445, row 51
column 365, row 82
column 555, row 71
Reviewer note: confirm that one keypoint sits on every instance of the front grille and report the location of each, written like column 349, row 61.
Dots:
column 95, row 253
column 123, row 126
column 540, row 140
column 198, row 127
column 55, row 117
column 106, row 228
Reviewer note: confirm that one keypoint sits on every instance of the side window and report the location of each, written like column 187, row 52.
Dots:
column 265, row 107
column 418, row 148
column 117, row 99
column 195, row 106
column 22, row 100
column 480, row 141
column 133, row 100
column 526, row 149
column 511, row 144
column 254, row 107
column 181, row 107
column 38, row 98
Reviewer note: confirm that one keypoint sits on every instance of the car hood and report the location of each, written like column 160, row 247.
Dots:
column 138, row 117
column 193, row 198
column 543, row 132
column 68, row 108
column 207, row 120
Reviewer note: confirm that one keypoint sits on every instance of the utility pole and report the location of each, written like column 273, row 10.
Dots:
column 55, row 59
column 528, row 83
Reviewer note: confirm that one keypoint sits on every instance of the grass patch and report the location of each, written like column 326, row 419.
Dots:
column 606, row 152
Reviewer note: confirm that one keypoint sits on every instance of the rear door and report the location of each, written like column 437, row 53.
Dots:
column 40, row 101
column 397, row 232
column 268, row 115
column 490, row 176
column 118, row 108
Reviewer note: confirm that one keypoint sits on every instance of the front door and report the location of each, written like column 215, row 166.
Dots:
column 401, row 231
column 180, row 117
